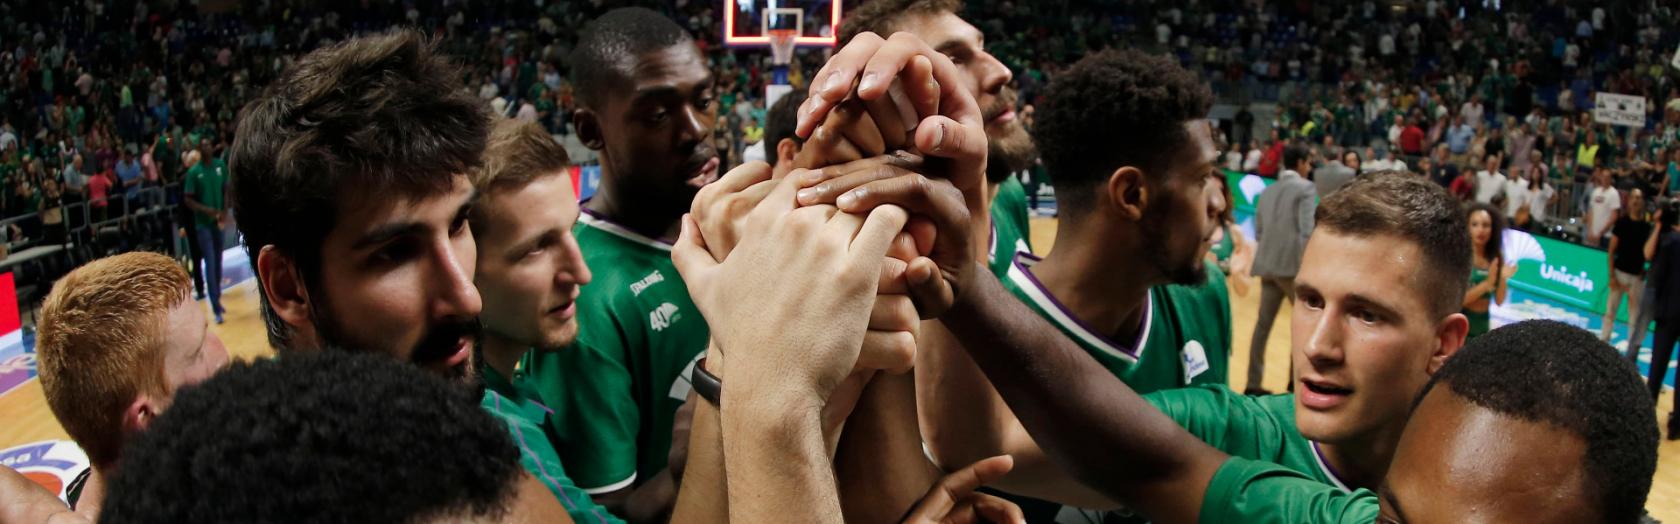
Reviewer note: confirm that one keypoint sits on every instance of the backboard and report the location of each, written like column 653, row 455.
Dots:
column 748, row 22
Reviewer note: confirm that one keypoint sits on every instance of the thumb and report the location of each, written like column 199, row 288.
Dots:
column 689, row 253
column 928, row 290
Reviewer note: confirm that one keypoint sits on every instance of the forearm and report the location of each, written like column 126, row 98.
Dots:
column 775, row 460
column 703, row 496
column 879, row 466
column 650, row 502
column 964, row 421
column 23, row 501
column 1120, row 445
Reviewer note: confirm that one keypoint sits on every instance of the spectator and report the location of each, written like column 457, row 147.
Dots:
column 1604, row 208
column 1335, row 174
column 1489, row 181
column 1627, row 263
column 1283, row 219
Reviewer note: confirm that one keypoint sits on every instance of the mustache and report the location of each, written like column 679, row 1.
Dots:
column 440, row 339
column 1004, row 102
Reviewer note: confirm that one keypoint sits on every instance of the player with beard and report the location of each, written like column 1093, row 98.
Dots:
column 1138, row 207
column 350, row 181
column 1010, row 148
column 529, row 273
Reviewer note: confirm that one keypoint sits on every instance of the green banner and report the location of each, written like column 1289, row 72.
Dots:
column 1571, row 274
column 1245, row 189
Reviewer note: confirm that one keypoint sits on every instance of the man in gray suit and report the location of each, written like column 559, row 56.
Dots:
column 1283, row 219
column 1333, row 175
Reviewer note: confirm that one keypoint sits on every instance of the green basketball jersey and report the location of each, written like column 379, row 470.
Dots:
column 1251, row 427
column 515, row 404
column 1185, row 337
column 1254, row 428
column 1253, row 491
column 616, row 392
column 1011, row 232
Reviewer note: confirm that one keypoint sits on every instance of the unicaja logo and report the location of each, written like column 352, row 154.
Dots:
column 1560, row 274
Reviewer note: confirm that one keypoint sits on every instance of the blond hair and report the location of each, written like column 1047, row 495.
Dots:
column 100, row 343
column 518, row 153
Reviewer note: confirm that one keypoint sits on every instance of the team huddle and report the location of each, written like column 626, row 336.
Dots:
column 857, row 332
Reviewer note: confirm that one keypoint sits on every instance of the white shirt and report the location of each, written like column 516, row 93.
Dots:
column 1598, row 18
column 1488, row 185
column 1516, row 195
column 1252, row 163
column 1385, row 45
column 1472, row 113
column 1537, row 200
column 1233, row 160
column 1601, row 208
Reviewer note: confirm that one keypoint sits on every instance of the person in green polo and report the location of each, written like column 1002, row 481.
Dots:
column 206, row 196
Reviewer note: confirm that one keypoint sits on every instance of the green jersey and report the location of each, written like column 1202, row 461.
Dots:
column 1011, row 233
column 1185, row 337
column 204, row 184
column 616, row 393
column 1253, row 491
column 515, row 403
column 1251, row 427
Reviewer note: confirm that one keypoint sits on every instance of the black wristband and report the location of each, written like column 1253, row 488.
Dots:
column 706, row 384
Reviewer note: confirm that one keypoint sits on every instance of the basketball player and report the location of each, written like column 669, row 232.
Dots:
column 1138, row 206
column 1579, row 439
column 329, row 437
column 350, row 181
column 117, row 338
column 528, row 272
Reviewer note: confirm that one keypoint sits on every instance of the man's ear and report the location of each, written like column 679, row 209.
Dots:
column 1449, row 338
column 140, row 414
column 282, row 283
column 588, row 127
column 1127, row 194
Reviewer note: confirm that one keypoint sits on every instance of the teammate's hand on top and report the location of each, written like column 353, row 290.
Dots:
column 818, row 298
column 949, row 122
column 939, row 224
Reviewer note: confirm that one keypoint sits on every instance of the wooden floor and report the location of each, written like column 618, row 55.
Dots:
column 26, row 418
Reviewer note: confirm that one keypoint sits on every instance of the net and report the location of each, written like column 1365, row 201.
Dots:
column 782, row 42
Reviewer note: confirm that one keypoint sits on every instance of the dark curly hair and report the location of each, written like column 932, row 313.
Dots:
column 384, row 114
column 1553, row 373
column 881, row 16
column 609, row 42
column 326, row 437
column 1114, row 108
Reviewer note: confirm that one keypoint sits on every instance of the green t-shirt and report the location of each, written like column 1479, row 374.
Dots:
column 204, row 184
column 1011, row 233
column 1185, row 337
column 516, row 404
column 1258, row 492
column 616, row 393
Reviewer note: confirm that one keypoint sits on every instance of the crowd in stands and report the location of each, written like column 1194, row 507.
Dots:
column 102, row 98
column 1477, row 95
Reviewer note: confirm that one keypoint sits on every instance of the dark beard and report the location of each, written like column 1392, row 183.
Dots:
column 1006, row 154
column 439, row 338
column 1156, row 231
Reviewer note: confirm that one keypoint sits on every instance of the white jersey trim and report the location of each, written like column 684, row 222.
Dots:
column 589, row 218
column 1021, row 275
column 1324, row 466
column 611, row 487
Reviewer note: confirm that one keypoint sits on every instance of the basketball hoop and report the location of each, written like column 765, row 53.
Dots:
column 782, row 42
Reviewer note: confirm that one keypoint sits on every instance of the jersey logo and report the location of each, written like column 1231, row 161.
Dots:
column 653, row 278
column 1195, row 360
column 663, row 316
